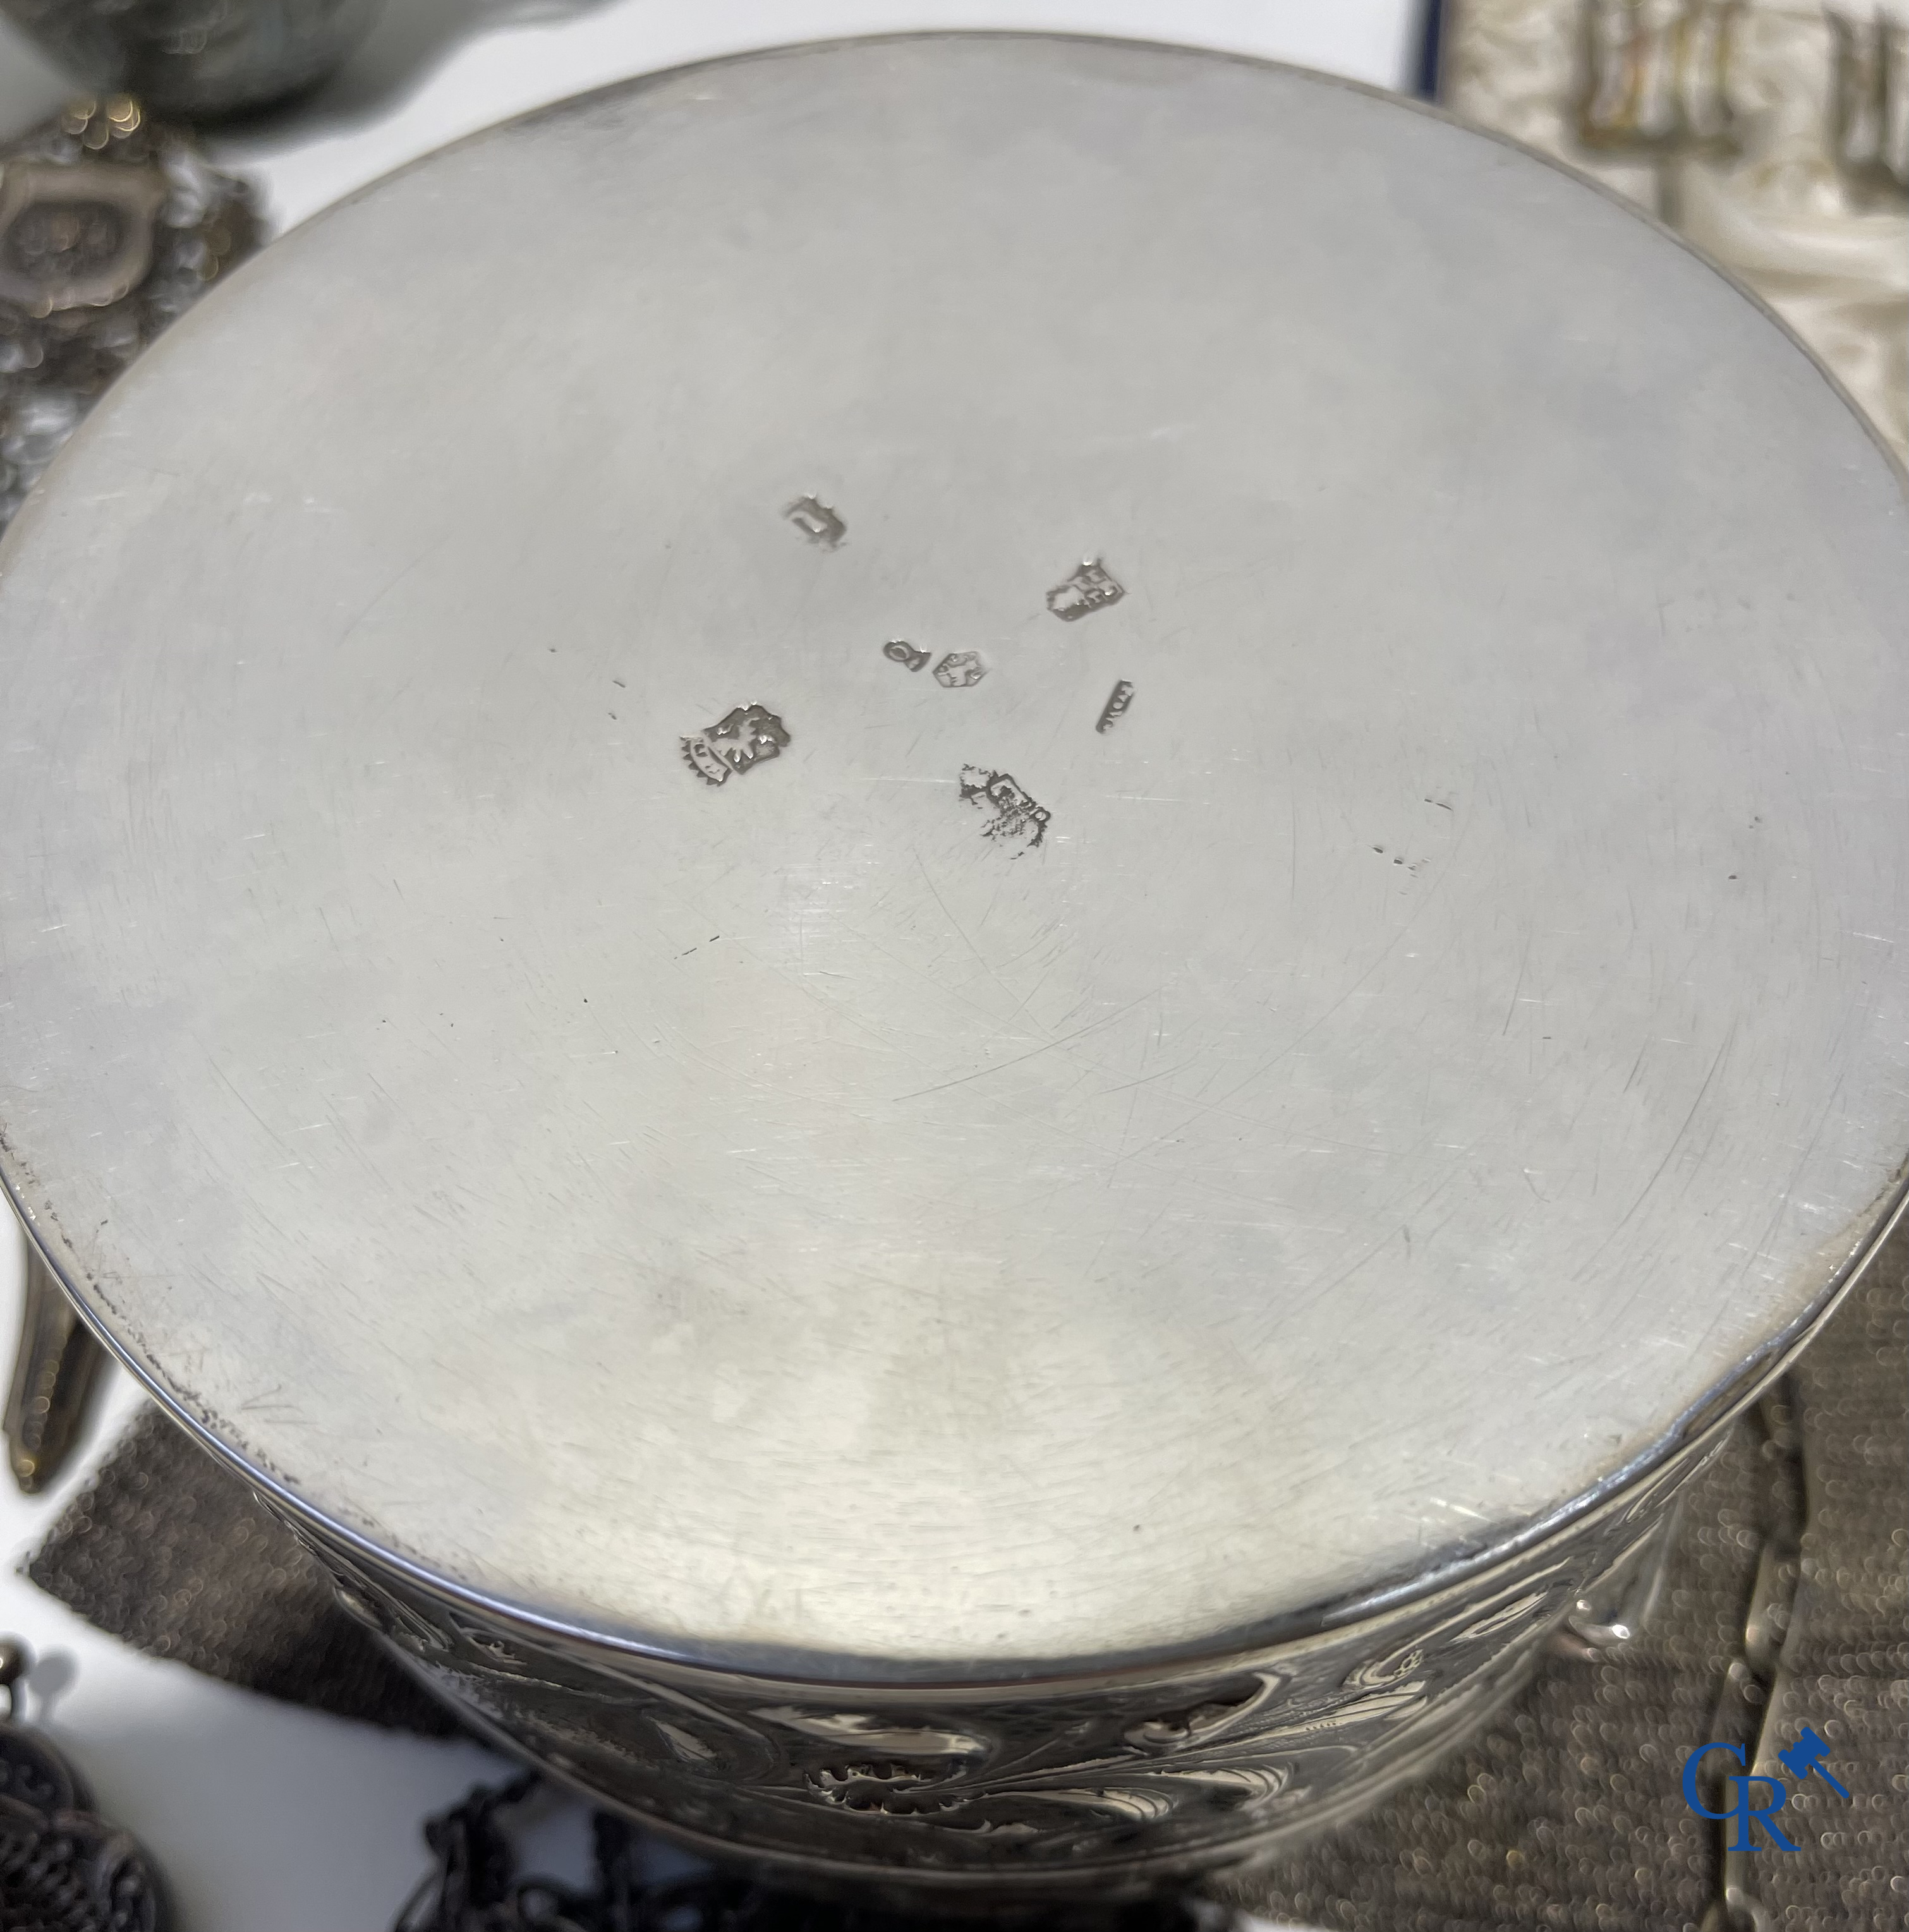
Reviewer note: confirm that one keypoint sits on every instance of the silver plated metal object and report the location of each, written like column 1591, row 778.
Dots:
column 62, row 1865
column 198, row 58
column 111, row 227
column 986, row 1302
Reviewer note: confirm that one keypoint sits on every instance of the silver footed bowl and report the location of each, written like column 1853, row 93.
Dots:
column 969, row 933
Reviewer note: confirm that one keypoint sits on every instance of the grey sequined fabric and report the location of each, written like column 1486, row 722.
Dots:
column 1568, row 1813
column 169, row 1551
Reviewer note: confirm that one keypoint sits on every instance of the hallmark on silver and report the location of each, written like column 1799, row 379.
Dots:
column 897, row 650
column 748, row 736
column 1118, row 699
column 1092, row 587
column 817, row 521
column 1012, row 812
column 959, row 669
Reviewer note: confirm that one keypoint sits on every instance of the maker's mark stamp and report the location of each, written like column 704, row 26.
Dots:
column 749, row 735
column 1118, row 699
column 959, row 669
column 1012, row 813
column 899, row 650
column 817, row 521
column 1090, row 588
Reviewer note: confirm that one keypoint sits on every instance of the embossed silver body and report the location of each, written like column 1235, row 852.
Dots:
column 1113, row 1782
column 997, row 1302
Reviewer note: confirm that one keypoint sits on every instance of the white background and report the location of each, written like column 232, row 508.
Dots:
column 267, row 1818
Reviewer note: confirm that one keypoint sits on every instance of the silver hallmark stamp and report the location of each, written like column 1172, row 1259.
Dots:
column 896, row 651
column 1118, row 699
column 1090, row 588
column 1012, row 813
column 817, row 521
column 959, row 669
column 748, row 736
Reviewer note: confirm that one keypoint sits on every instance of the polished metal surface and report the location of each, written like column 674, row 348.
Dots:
column 1355, row 1008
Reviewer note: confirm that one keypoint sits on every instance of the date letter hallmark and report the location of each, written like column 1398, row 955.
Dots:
column 897, row 650
column 748, row 736
column 1090, row 588
column 1011, row 813
column 817, row 521
column 959, row 669
column 1115, row 707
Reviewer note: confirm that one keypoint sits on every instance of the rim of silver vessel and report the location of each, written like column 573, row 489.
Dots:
column 1705, row 1414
